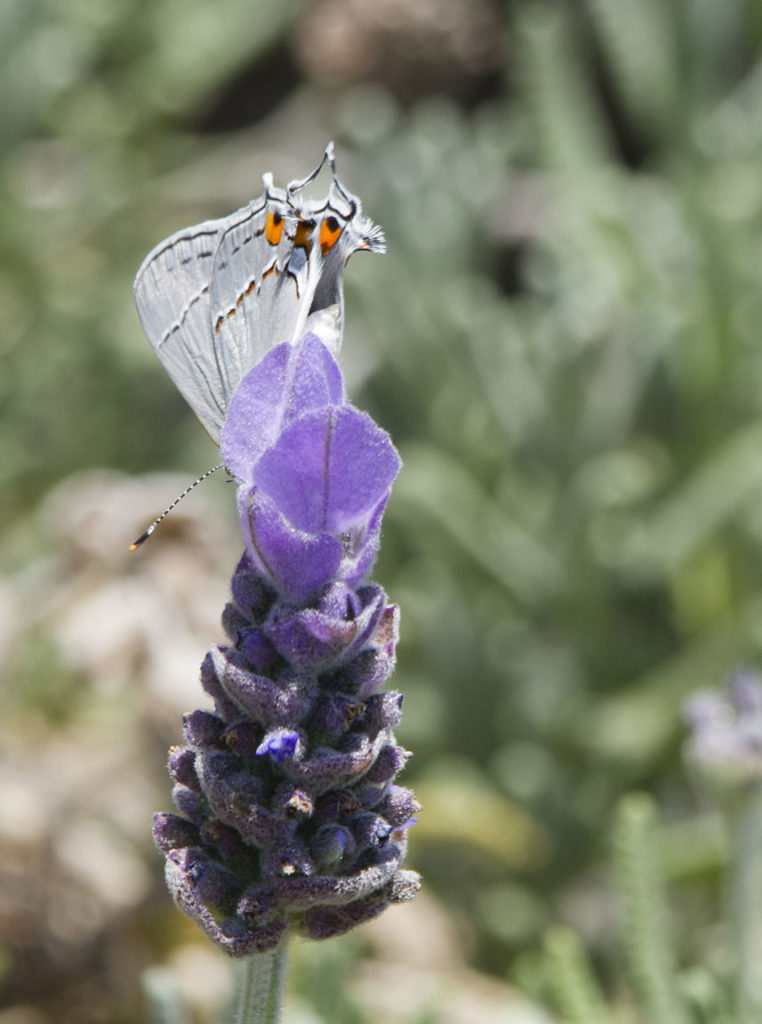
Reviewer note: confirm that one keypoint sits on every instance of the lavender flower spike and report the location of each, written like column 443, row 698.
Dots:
column 289, row 814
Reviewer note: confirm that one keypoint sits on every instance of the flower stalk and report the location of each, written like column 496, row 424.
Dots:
column 261, row 986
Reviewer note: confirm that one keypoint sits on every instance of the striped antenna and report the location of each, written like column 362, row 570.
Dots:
column 144, row 536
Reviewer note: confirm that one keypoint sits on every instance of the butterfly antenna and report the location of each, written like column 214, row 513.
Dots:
column 144, row 536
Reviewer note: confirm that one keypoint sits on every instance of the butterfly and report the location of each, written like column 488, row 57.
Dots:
column 215, row 297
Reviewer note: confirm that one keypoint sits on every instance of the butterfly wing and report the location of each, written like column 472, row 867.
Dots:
column 214, row 298
column 262, row 283
column 172, row 293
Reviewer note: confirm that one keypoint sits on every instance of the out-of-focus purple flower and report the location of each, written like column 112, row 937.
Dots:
column 726, row 731
column 289, row 814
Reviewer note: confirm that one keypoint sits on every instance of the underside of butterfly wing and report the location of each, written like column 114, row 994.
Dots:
column 172, row 294
column 260, row 288
column 214, row 298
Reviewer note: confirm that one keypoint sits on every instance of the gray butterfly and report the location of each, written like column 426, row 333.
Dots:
column 214, row 298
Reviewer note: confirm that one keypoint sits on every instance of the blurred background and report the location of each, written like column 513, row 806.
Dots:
column 563, row 340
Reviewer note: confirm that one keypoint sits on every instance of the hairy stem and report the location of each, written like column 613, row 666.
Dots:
column 261, row 992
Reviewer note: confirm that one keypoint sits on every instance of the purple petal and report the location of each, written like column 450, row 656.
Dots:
column 371, row 831
column 212, row 685
column 182, row 767
column 297, row 563
column 328, row 768
column 391, row 760
column 227, row 840
column 361, row 550
column 242, row 738
column 309, row 638
column 250, row 592
column 340, row 602
column 279, row 744
column 258, row 650
column 367, row 673
column 337, row 712
column 363, row 464
column 212, row 884
column 235, row 797
column 287, row 858
column 337, row 805
column 331, row 844
column 288, row 382
column 398, row 806
column 382, row 711
column 189, row 802
column 291, row 803
column 304, row 892
column 270, row 702
column 202, row 729
column 232, row 934
column 326, row 921
column 329, row 470
column 171, row 832
column 258, row 904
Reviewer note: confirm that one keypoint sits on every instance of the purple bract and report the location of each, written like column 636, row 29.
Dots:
column 289, row 814
column 314, row 473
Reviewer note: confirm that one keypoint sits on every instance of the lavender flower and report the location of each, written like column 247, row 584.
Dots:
column 726, row 731
column 289, row 815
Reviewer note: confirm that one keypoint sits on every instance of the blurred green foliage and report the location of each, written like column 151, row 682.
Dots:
column 575, row 538
column 563, row 340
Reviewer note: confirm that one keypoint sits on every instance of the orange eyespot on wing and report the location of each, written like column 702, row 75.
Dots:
column 330, row 232
column 303, row 234
column 273, row 227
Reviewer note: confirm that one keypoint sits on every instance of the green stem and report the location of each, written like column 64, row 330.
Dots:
column 746, row 894
column 261, row 992
column 648, row 949
column 575, row 987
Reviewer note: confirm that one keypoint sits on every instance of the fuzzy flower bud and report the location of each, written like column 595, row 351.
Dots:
column 289, row 814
